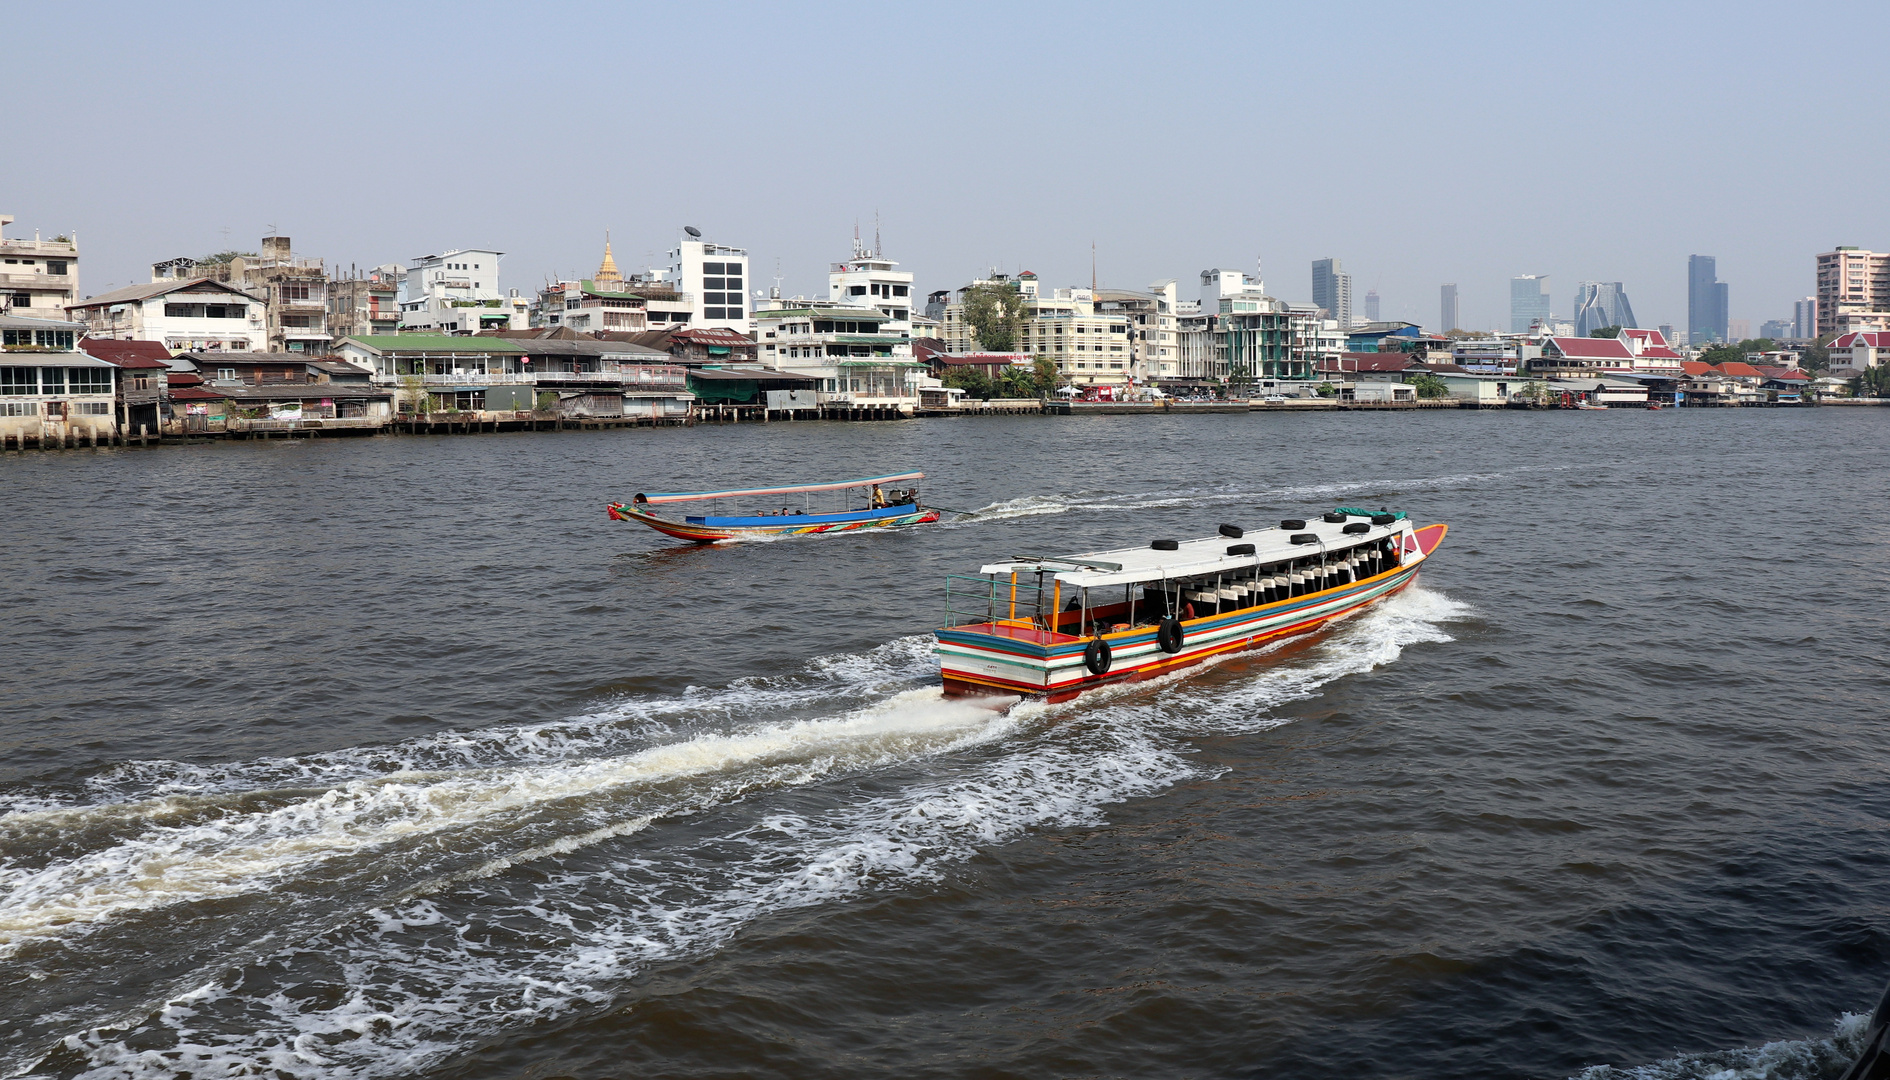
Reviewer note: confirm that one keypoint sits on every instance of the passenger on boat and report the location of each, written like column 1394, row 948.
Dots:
column 878, row 501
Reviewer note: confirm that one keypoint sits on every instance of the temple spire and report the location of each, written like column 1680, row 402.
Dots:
column 608, row 278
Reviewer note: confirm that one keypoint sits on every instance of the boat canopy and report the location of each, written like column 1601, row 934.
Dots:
column 1192, row 558
column 689, row 496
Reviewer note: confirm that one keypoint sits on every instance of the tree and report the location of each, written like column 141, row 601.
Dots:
column 1045, row 368
column 1871, row 382
column 971, row 380
column 995, row 311
column 1735, row 352
column 1430, row 386
column 1463, row 335
column 1606, row 331
column 1817, row 355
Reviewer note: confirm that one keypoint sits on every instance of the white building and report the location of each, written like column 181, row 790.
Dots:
column 38, row 278
column 859, row 360
column 457, row 292
column 50, row 392
column 713, row 278
column 194, row 314
column 867, row 280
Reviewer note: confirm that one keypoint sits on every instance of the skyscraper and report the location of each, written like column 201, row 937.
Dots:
column 1447, row 308
column 1332, row 290
column 1600, row 304
column 1528, row 302
column 1805, row 318
column 1371, row 306
column 1706, row 301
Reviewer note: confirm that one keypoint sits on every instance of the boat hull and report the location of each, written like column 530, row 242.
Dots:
column 790, row 526
column 1023, row 660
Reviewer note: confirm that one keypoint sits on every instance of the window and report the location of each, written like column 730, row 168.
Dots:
column 856, row 290
column 226, row 374
column 95, row 408
column 18, row 380
column 469, row 400
column 899, row 290
column 297, row 322
column 715, row 313
column 294, row 292
column 91, row 380
column 55, row 267
column 714, row 268
column 712, row 283
column 22, row 299
column 18, row 408
column 52, row 380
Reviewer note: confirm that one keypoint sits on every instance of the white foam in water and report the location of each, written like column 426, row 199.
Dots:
column 1036, row 505
column 420, row 985
column 1789, row 1059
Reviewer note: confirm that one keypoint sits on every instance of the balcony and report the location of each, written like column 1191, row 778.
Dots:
column 38, row 281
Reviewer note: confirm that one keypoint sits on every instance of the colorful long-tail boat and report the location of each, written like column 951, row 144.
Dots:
column 1053, row 628
column 886, row 508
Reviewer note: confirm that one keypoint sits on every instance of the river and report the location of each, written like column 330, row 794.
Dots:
column 395, row 757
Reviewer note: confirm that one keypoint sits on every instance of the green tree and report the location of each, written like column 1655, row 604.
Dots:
column 971, row 380
column 1430, row 386
column 1736, row 352
column 1606, row 331
column 1045, row 368
column 1872, row 382
column 1817, row 355
column 995, row 311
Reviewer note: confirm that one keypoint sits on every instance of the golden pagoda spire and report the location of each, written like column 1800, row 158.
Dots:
column 608, row 277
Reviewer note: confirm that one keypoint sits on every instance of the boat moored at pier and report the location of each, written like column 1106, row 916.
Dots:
column 885, row 508
column 1056, row 627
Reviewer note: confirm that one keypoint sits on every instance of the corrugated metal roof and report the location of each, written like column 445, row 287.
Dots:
column 434, row 343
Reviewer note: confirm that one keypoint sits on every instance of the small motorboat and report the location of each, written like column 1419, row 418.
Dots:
column 886, row 508
column 1053, row 628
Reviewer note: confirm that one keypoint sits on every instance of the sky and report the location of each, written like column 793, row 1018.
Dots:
column 1419, row 144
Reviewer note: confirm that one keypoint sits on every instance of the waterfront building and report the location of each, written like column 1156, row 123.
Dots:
column 143, row 389
column 868, row 279
column 1332, row 290
column 1528, row 302
column 50, row 391
column 1371, row 305
column 1316, row 339
column 364, row 303
column 39, row 279
column 1091, row 346
column 856, row 360
column 714, row 279
column 1805, row 318
column 1388, row 336
column 1151, row 318
column 953, row 329
column 1644, row 352
column 458, row 292
column 1706, row 301
column 1853, row 291
column 1601, row 304
column 192, row 313
column 294, row 291
column 1447, row 317
column 1861, row 349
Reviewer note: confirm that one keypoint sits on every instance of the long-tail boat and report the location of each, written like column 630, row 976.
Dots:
column 886, row 508
column 1053, row 628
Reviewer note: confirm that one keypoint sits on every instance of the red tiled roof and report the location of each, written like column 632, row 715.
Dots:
column 195, row 393
column 1593, row 348
column 1648, row 338
column 184, row 378
column 1871, row 339
column 128, row 354
column 1744, row 371
column 1696, row 367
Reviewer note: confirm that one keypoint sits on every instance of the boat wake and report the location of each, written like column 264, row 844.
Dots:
column 373, row 911
column 1789, row 1059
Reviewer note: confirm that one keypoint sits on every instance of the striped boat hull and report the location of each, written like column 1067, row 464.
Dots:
column 977, row 663
column 710, row 534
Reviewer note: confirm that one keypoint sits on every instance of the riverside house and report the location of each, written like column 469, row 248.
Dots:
column 51, row 393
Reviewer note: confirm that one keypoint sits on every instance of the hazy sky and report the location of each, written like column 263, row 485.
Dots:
column 1419, row 143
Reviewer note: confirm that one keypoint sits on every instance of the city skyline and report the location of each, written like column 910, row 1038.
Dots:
column 1596, row 218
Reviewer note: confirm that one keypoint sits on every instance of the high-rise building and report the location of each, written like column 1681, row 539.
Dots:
column 1528, row 302
column 715, row 279
column 1332, row 290
column 1805, row 318
column 1853, row 290
column 1775, row 329
column 1600, row 304
column 1371, row 305
column 1667, row 332
column 1447, row 308
column 1738, row 329
column 1706, row 301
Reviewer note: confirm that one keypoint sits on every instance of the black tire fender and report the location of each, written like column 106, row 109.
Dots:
column 1098, row 656
column 1169, row 636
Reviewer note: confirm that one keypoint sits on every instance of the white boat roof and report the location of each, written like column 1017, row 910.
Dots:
column 1194, row 558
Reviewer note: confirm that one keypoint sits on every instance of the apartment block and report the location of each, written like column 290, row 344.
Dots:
column 1853, row 290
column 715, row 277
column 38, row 278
